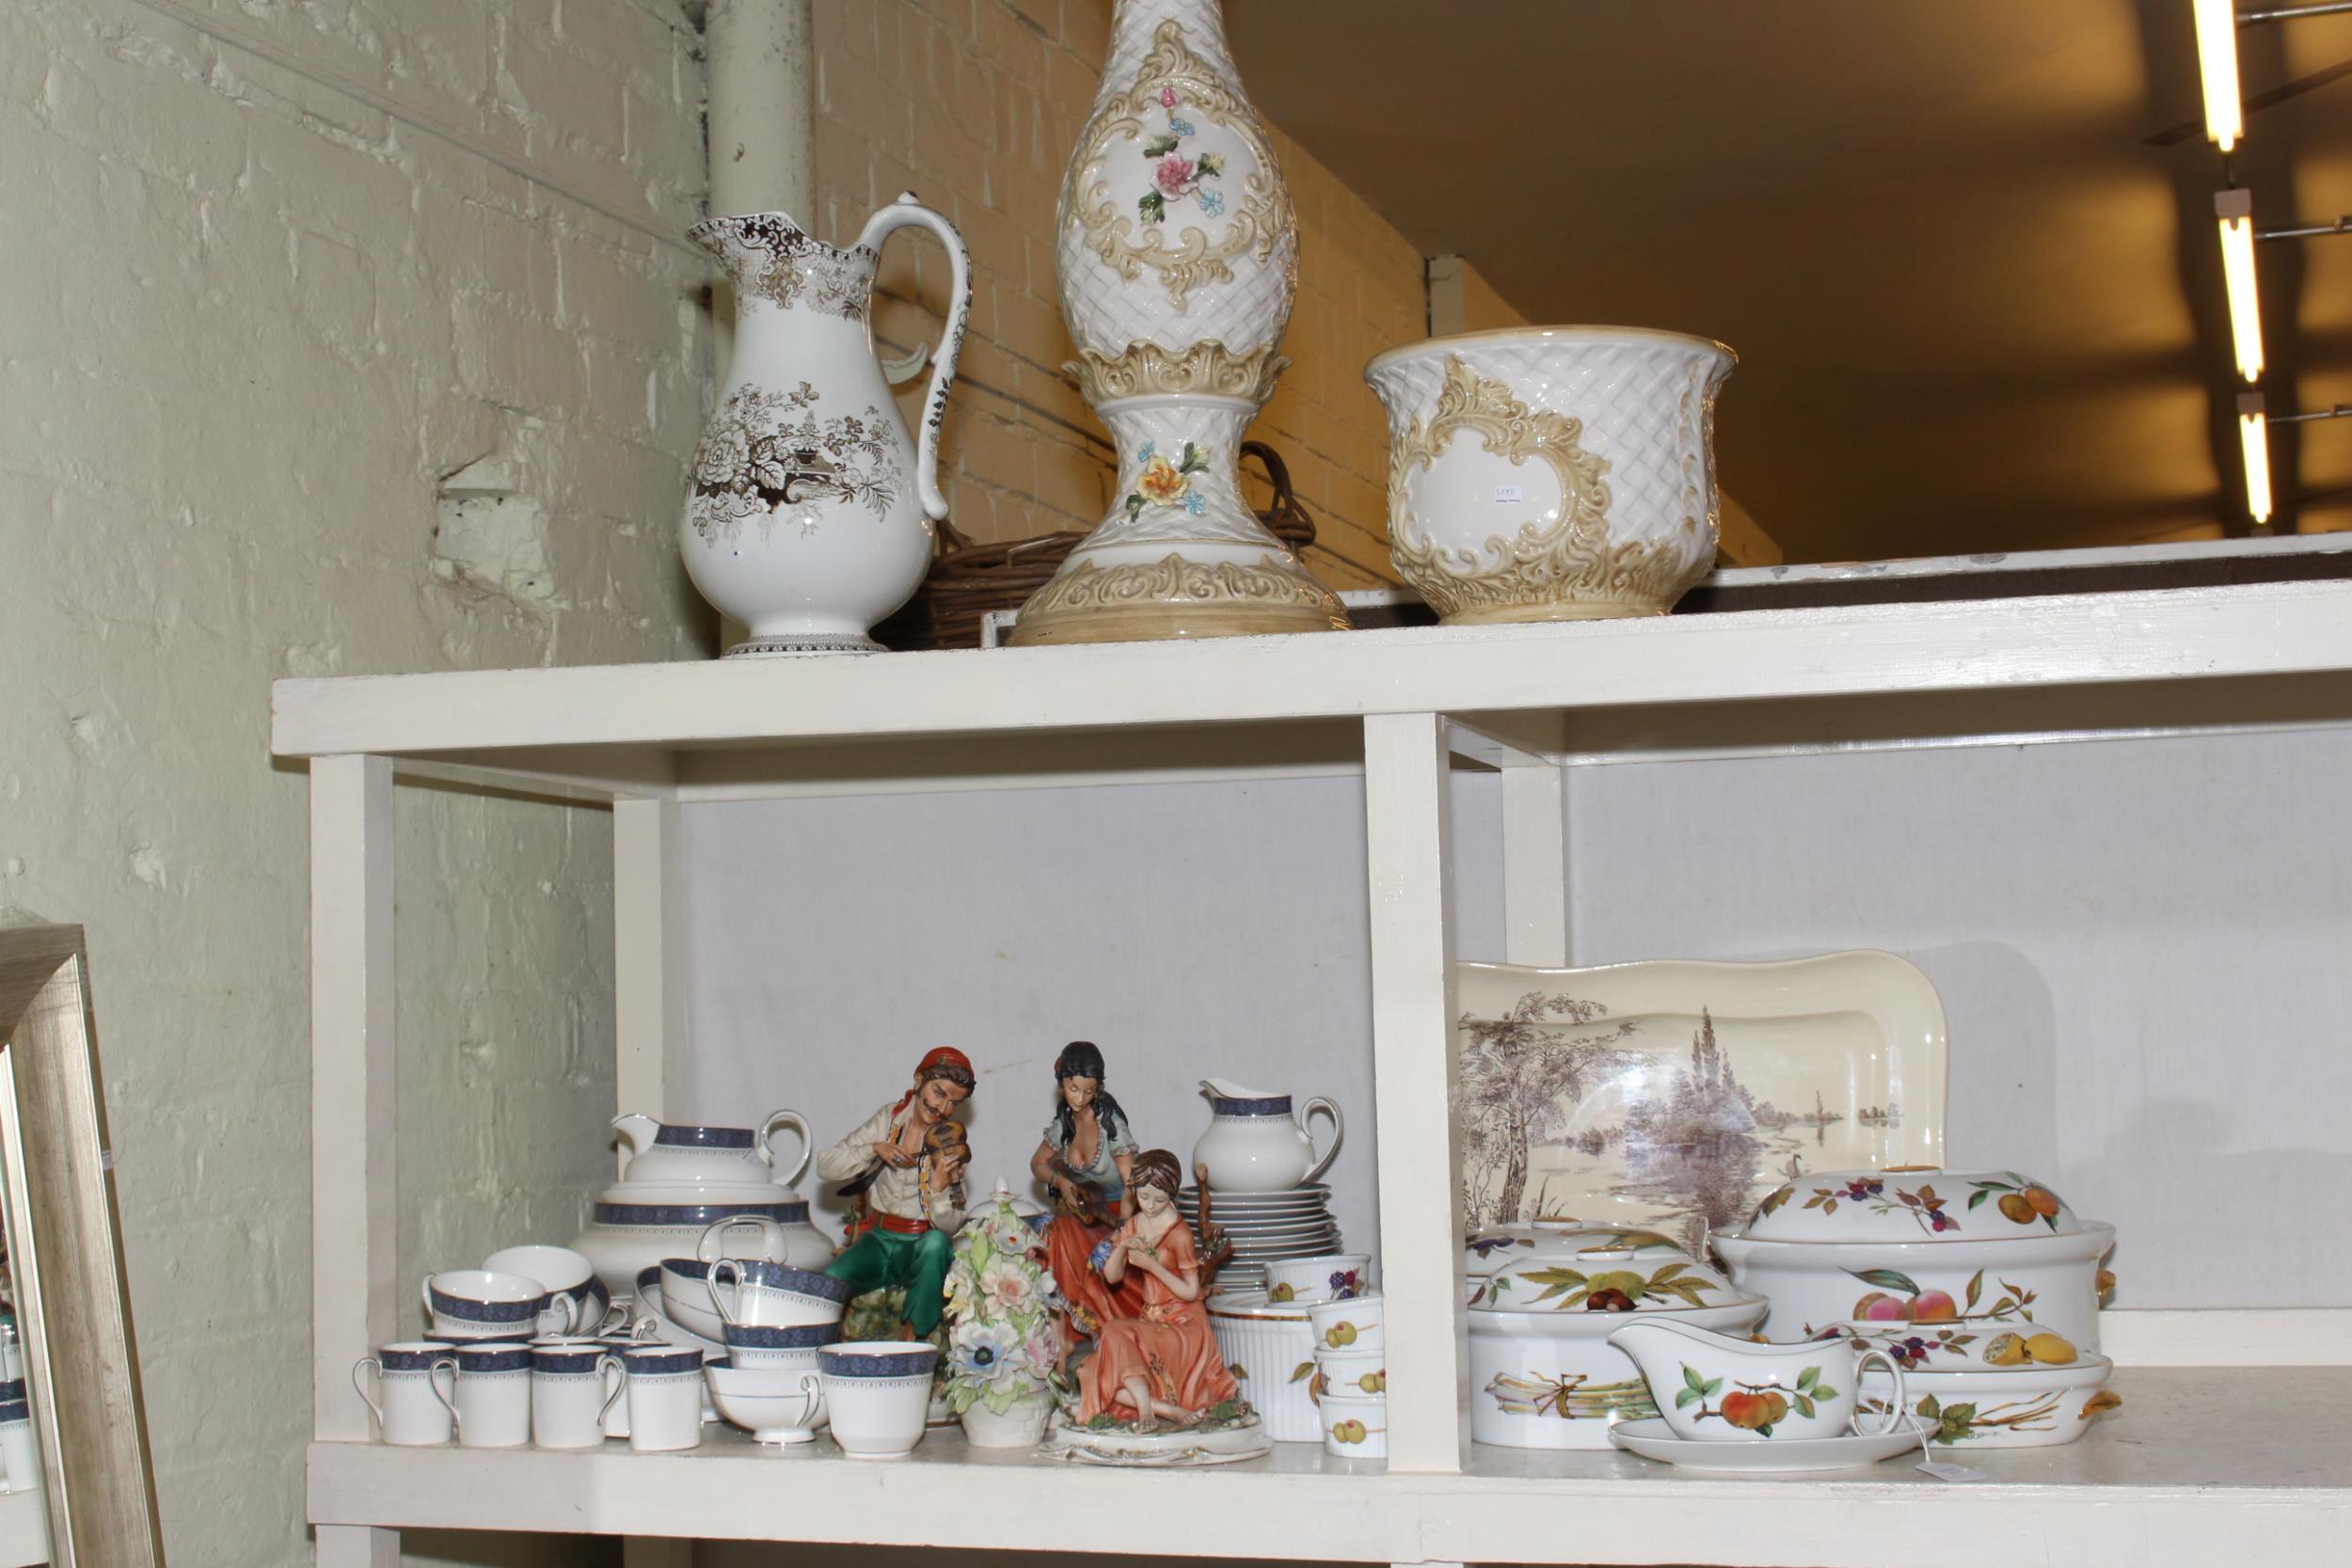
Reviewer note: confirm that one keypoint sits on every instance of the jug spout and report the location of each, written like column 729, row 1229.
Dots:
column 769, row 257
column 637, row 1130
column 1660, row 1349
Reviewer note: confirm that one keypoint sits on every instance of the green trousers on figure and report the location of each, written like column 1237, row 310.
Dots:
column 885, row 1257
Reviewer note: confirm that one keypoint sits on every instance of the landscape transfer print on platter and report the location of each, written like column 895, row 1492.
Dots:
column 1677, row 1122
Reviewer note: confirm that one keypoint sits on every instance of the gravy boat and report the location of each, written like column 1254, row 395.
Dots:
column 1714, row 1388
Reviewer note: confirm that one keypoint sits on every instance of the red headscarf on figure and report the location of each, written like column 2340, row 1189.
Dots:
column 925, row 1070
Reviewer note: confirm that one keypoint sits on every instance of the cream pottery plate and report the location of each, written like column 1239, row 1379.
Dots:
column 1673, row 1096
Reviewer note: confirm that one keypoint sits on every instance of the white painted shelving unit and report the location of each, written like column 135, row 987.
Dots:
column 2245, row 1462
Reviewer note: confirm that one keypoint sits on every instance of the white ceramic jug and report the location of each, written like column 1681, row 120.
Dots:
column 1255, row 1145
column 703, row 1155
column 811, row 510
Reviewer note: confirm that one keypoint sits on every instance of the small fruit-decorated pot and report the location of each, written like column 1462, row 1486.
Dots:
column 1714, row 1388
column 1336, row 1276
column 1353, row 1323
column 2024, row 1405
column 1983, row 1251
column 1354, row 1428
column 1547, row 1298
column 1271, row 1350
column 1352, row 1373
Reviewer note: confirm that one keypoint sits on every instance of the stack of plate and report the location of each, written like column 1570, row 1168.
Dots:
column 1265, row 1228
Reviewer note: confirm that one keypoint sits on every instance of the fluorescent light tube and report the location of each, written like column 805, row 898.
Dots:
column 2217, row 62
column 2253, row 433
column 2235, row 209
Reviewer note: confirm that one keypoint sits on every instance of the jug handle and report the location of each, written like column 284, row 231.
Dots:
column 623, row 1125
column 1339, row 1130
column 906, row 213
column 768, row 1154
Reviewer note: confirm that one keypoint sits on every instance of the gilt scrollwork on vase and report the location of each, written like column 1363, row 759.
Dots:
column 1126, row 206
column 1563, row 555
column 1208, row 369
column 1176, row 579
column 1589, row 488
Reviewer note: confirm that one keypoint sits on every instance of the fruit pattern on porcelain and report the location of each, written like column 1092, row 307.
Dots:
column 1270, row 1350
column 1907, row 1205
column 1567, row 1266
column 1544, row 1298
column 1552, row 1380
column 2028, row 1406
column 1916, row 1346
column 1552, row 473
column 1929, row 1248
column 1721, row 1387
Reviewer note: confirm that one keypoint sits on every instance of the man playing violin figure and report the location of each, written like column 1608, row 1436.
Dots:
column 906, row 1163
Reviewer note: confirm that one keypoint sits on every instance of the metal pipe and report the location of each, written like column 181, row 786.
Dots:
column 762, row 109
column 2288, row 13
column 2341, row 225
column 2340, row 411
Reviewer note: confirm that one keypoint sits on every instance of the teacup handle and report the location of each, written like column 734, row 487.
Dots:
column 449, row 1400
column 1339, row 1131
column 812, row 1390
column 619, row 1384
column 1898, row 1408
column 424, row 1294
column 772, row 1240
column 766, row 1151
column 735, row 1283
column 615, row 1317
column 368, row 1363
column 572, row 1306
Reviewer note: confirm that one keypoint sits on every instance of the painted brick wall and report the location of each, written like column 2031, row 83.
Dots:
column 273, row 270
column 975, row 106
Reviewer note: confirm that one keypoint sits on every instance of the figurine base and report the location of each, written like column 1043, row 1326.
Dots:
column 1170, row 1447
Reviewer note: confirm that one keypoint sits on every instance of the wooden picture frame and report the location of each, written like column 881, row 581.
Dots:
column 65, row 1248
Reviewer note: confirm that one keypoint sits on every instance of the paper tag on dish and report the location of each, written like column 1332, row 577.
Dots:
column 106, row 1159
column 1943, row 1471
column 1509, row 495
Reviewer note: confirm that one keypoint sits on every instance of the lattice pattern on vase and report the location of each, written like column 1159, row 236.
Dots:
column 1552, row 474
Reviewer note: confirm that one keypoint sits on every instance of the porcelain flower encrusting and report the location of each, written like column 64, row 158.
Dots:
column 1002, row 1341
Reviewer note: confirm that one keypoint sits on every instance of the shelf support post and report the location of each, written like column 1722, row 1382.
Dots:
column 1407, row 791
column 1535, row 864
column 649, row 953
column 354, row 1178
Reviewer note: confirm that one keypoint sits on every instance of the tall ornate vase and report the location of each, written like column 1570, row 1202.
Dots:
column 1179, row 257
column 811, row 512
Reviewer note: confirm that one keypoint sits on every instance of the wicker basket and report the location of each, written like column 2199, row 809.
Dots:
column 968, row 580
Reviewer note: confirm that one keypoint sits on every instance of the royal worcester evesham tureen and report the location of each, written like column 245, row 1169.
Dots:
column 1988, row 1249
column 1544, row 1299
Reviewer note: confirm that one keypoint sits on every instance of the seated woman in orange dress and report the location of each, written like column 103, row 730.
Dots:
column 1163, row 1364
column 1083, row 1161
